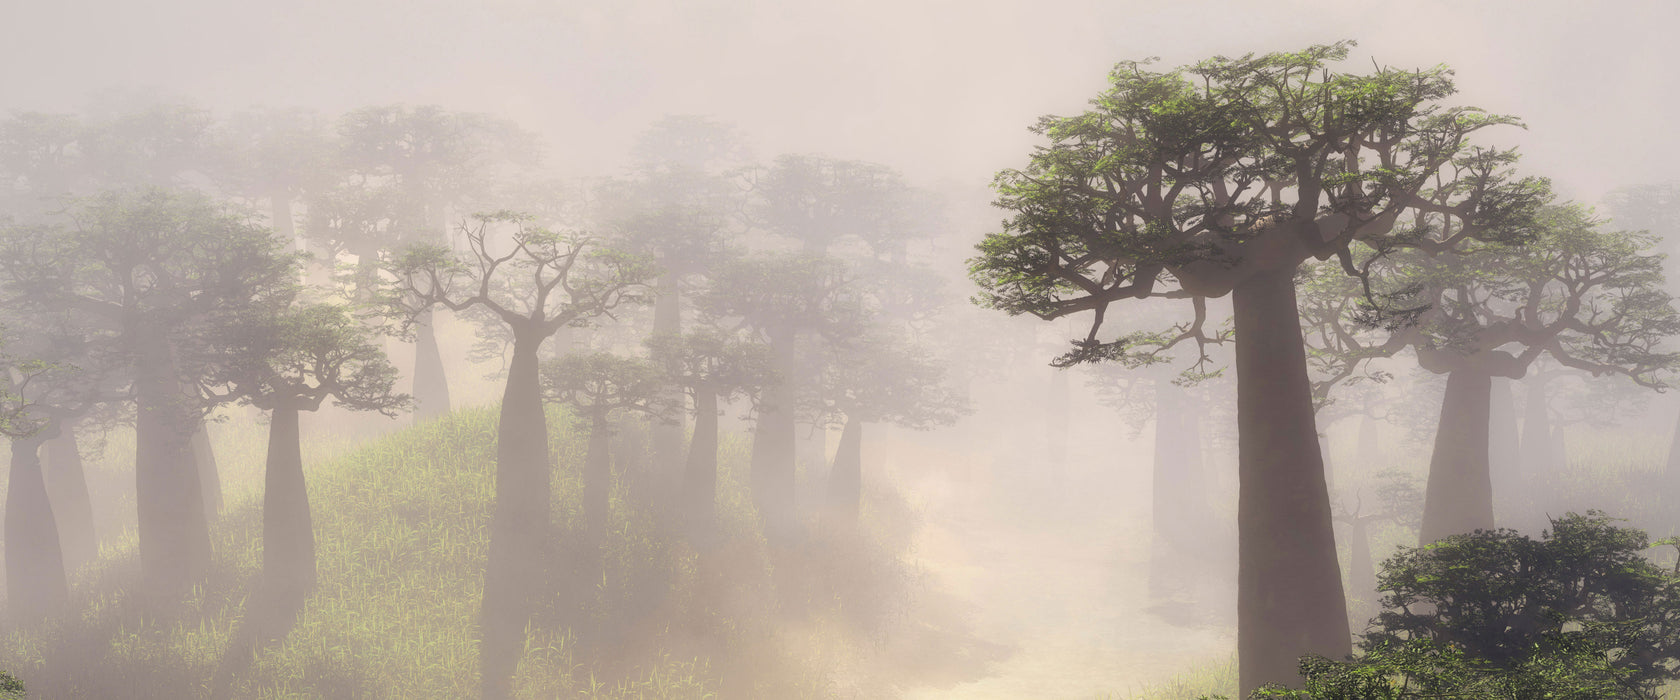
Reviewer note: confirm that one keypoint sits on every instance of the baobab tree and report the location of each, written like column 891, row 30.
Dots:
column 876, row 378
column 148, row 270
column 710, row 365
column 286, row 363
column 1223, row 178
column 598, row 386
column 536, row 283
column 780, row 298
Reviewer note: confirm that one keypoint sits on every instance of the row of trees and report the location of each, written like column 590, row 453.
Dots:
column 1349, row 217
column 146, row 289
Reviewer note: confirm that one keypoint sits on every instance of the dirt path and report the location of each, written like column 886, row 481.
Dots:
column 1059, row 581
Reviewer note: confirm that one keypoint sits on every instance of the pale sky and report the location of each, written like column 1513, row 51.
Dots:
column 943, row 89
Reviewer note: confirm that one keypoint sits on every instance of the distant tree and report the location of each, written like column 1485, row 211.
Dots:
column 681, row 206
column 1587, row 298
column 277, row 155
column 1397, row 500
column 598, row 386
column 1223, row 178
column 779, row 298
column 149, row 269
column 537, row 283
column 710, row 365
column 877, row 378
column 414, row 164
column 285, row 363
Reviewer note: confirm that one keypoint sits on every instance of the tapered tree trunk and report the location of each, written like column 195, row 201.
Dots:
column 773, row 446
column 35, row 583
column 288, row 528
column 67, row 489
column 1368, row 447
column 597, row 479
column 1505, row 471
column 174, row 536
column 1289, row 586
column 666, row 438
column 431, row 387
column 1538, row 462
column 845, row 479
column 699, row 486
column 209, row 475
column 1329, row 464
column 519, row 522
column 285, row 228
column 1459, row 498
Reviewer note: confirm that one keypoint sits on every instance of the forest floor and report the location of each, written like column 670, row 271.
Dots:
column 1057, row 578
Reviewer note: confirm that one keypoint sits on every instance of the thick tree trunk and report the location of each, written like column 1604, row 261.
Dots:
column 773, row 446
column 597, row 480
column 209, row 475
column 845, row 479
column 288, row 528
column 72, row 507
column 1459, row 498
column 174, row 536
column 1538, row 462
column 519, row 523
column 35, row 583
column 431, row 387
column 285, row 228
column 1368, row 447
column 699, row 486
column 666, row 438
column 1289, row 586
column 1505, row 471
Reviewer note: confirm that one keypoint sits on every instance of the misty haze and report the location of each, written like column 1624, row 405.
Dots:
column 856, row 350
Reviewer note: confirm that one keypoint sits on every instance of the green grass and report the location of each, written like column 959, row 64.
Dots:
column 402, row 530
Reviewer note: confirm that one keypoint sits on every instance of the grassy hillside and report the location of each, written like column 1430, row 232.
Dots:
column 402, row 526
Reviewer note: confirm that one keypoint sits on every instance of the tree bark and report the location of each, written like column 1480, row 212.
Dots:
column 36, row 587
column 1538, row 462
column 597, row 480
column 1289, row 586
column 1505, row 471
column 1459, row 498
column 519, row 522
column 67, row 489
column 288, row 528
column 431, row 386
column 209, row 475
column 845, row 479
column 773, row 445
column 700, row 473
column 174, row 536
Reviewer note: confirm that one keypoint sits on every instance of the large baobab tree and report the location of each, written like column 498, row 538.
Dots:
column 1223, row 178
column 529, row 285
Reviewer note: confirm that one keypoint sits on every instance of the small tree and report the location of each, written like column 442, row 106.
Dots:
column 287, row 363
column 710, row 365
column 598, row 386
column 877, row 378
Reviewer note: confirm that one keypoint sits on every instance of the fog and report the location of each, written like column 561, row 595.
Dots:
column 678, row 381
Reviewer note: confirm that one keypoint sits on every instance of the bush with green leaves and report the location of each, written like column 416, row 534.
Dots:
column 1582, row 612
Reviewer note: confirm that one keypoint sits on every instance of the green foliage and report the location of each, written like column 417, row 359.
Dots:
column 1580, row 613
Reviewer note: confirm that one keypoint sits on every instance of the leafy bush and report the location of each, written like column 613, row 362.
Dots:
column 1580, row 613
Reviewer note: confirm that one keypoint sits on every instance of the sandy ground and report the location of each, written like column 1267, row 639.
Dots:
column 1056, row 578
